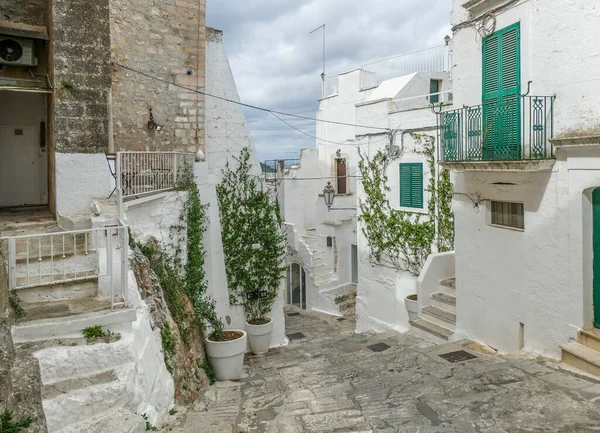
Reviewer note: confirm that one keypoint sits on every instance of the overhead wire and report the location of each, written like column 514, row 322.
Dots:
column 255, row 107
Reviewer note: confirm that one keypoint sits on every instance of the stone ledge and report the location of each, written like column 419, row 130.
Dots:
column 523, row 165
column 586, row 140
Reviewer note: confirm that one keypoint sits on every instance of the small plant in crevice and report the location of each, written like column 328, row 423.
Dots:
column 253, row 242
column 15, row 304
column 404, row 240
column 169, row 346
column 172, row 412
column 208, row 369
column 92, row 332
column 68, row 85
column 149, row 426
column 7, row 425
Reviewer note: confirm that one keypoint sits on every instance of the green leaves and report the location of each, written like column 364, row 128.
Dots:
column 404, row 240
column 249, row 216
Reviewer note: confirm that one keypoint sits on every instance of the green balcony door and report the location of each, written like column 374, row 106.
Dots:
column 596, row 254
column 501, row 101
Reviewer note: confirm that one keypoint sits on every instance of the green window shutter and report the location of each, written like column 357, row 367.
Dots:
column 501, row 85
column 434, row 87
column 411, row 185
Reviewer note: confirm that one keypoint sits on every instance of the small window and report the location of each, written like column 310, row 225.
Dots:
column 341, row 176
column 506, row 214
column 411, row 185
column 434, row 89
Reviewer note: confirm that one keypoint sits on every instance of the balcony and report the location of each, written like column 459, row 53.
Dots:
column 511, row 135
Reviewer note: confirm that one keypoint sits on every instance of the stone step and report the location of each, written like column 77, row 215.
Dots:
column 75, row 383
column 439, row 316
column 444, row 301
column 83, row 288
column 449, row 282
column 581, row 357
column 115, row 420
column 58, row 266
column 590, row 338
column 440, row 333
column 71, row 326
column 347, row 308
column 84, row 360
column 78, row 405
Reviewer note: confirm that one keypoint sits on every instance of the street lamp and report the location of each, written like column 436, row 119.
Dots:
column 329, row 195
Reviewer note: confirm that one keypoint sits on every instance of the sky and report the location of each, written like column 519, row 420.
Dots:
column 277, row 64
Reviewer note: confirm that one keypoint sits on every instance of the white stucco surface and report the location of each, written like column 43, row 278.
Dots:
column 537, row 281
column 80, row 177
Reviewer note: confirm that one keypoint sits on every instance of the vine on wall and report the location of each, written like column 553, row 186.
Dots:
column 253, row 242
column 404, row 240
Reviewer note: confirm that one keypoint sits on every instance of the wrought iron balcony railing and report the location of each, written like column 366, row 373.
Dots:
column 517, row 128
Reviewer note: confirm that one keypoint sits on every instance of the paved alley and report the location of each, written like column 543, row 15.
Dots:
column 330, row 379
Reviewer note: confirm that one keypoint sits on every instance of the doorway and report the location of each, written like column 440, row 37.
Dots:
column 596, row 255
column 23, row 151
column 296, row 286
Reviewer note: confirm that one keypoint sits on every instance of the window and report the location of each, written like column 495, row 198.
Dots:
column 501, row 86
column 411, row 185
column 341, row 176
column 506, row 214
column 434, row 89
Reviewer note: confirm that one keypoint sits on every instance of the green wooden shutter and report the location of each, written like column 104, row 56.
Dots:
column 434, row 87
column 501, row 84
column 411, row 185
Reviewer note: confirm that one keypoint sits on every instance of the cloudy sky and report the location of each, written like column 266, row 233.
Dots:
column 277, row 64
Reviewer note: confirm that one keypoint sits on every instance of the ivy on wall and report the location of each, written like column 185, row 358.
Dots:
column 400, row 239
column 253, row 242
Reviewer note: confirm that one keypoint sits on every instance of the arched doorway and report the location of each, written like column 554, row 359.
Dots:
column 296, row 286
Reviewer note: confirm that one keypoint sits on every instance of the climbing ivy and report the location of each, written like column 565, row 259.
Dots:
column 181, row 273
column 404, row 240
column 253, row 242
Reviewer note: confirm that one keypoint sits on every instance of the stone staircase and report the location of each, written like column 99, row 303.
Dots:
column 437, row 321
column 322, row 272
column 344, row 298
column 584, row 353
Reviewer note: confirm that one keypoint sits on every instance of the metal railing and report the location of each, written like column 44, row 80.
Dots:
column 517, row 128
column 141, row 173
column 430, row 59
column 68, row 257
column 332, row 86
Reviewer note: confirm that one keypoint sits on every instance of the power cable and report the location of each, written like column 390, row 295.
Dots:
column 255, row 107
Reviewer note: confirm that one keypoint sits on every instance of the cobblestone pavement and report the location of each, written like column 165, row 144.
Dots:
column 330, row 381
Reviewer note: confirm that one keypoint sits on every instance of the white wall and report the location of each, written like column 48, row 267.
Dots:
column 226, row 127
column 540, row 277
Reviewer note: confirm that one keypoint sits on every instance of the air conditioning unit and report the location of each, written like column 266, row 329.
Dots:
column 17, row 51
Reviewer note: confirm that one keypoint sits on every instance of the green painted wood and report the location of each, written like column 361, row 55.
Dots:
column 434, row 87
column 596, row 254
column 501, row 102
column 411, row 184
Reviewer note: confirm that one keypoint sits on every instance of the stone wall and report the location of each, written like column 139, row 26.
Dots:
column 33, row 12
column 165, row 39
column 80, row 47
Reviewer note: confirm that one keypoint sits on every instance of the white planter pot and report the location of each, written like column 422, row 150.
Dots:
column 260, row 337
column 412, row 307
column 227, row 357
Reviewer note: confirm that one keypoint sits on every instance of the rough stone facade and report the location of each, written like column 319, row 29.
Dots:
column 81, row 53
column 164, row 39
column 33, row 12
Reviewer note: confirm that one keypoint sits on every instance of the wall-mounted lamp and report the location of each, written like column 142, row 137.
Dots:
column 329, row 195
column 152, row 125
column 447, row 39
column 338, row 153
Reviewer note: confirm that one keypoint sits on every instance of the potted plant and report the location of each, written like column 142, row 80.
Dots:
column 258, row 325
column 225, row 348
column 412, row 306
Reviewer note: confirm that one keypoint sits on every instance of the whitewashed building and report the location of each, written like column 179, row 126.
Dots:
column 525, row 156
column 383, row 103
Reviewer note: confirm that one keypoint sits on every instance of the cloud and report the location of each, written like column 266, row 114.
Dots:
column 277, row 63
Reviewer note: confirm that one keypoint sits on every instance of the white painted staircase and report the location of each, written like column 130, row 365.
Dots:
column 324, row 276
column 437, row 318
column 584, row 353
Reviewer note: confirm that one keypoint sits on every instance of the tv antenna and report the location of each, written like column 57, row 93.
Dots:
column 323, row 73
